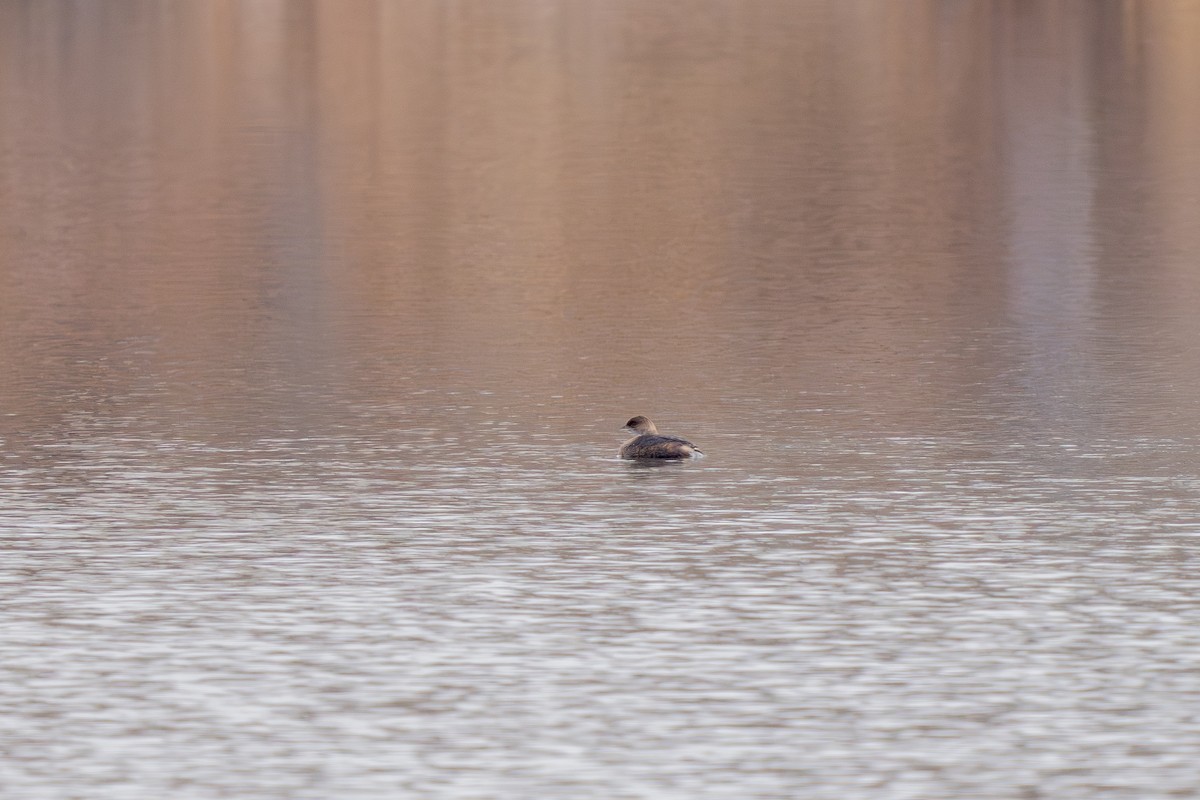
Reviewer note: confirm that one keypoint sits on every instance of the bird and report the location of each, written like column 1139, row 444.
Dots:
column 647, row 442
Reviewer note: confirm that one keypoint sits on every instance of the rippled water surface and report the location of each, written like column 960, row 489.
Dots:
column 319, row 322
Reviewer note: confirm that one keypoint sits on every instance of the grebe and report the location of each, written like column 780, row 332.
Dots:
column 647, row 442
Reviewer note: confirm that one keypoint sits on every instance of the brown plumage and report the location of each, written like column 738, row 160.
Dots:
column 649, row 443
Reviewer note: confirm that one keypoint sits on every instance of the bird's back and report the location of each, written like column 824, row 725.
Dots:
column 656, row 445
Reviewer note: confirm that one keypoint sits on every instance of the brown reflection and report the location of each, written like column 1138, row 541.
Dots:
column 247, row 211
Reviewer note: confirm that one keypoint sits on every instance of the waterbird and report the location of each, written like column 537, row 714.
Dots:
column 647, row 442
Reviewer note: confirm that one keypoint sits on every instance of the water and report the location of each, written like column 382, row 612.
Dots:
column 319, row 322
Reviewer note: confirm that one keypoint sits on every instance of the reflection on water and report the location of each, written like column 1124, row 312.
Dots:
column 319, row 323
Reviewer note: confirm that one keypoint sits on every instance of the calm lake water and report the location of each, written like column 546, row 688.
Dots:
column 319, row 322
